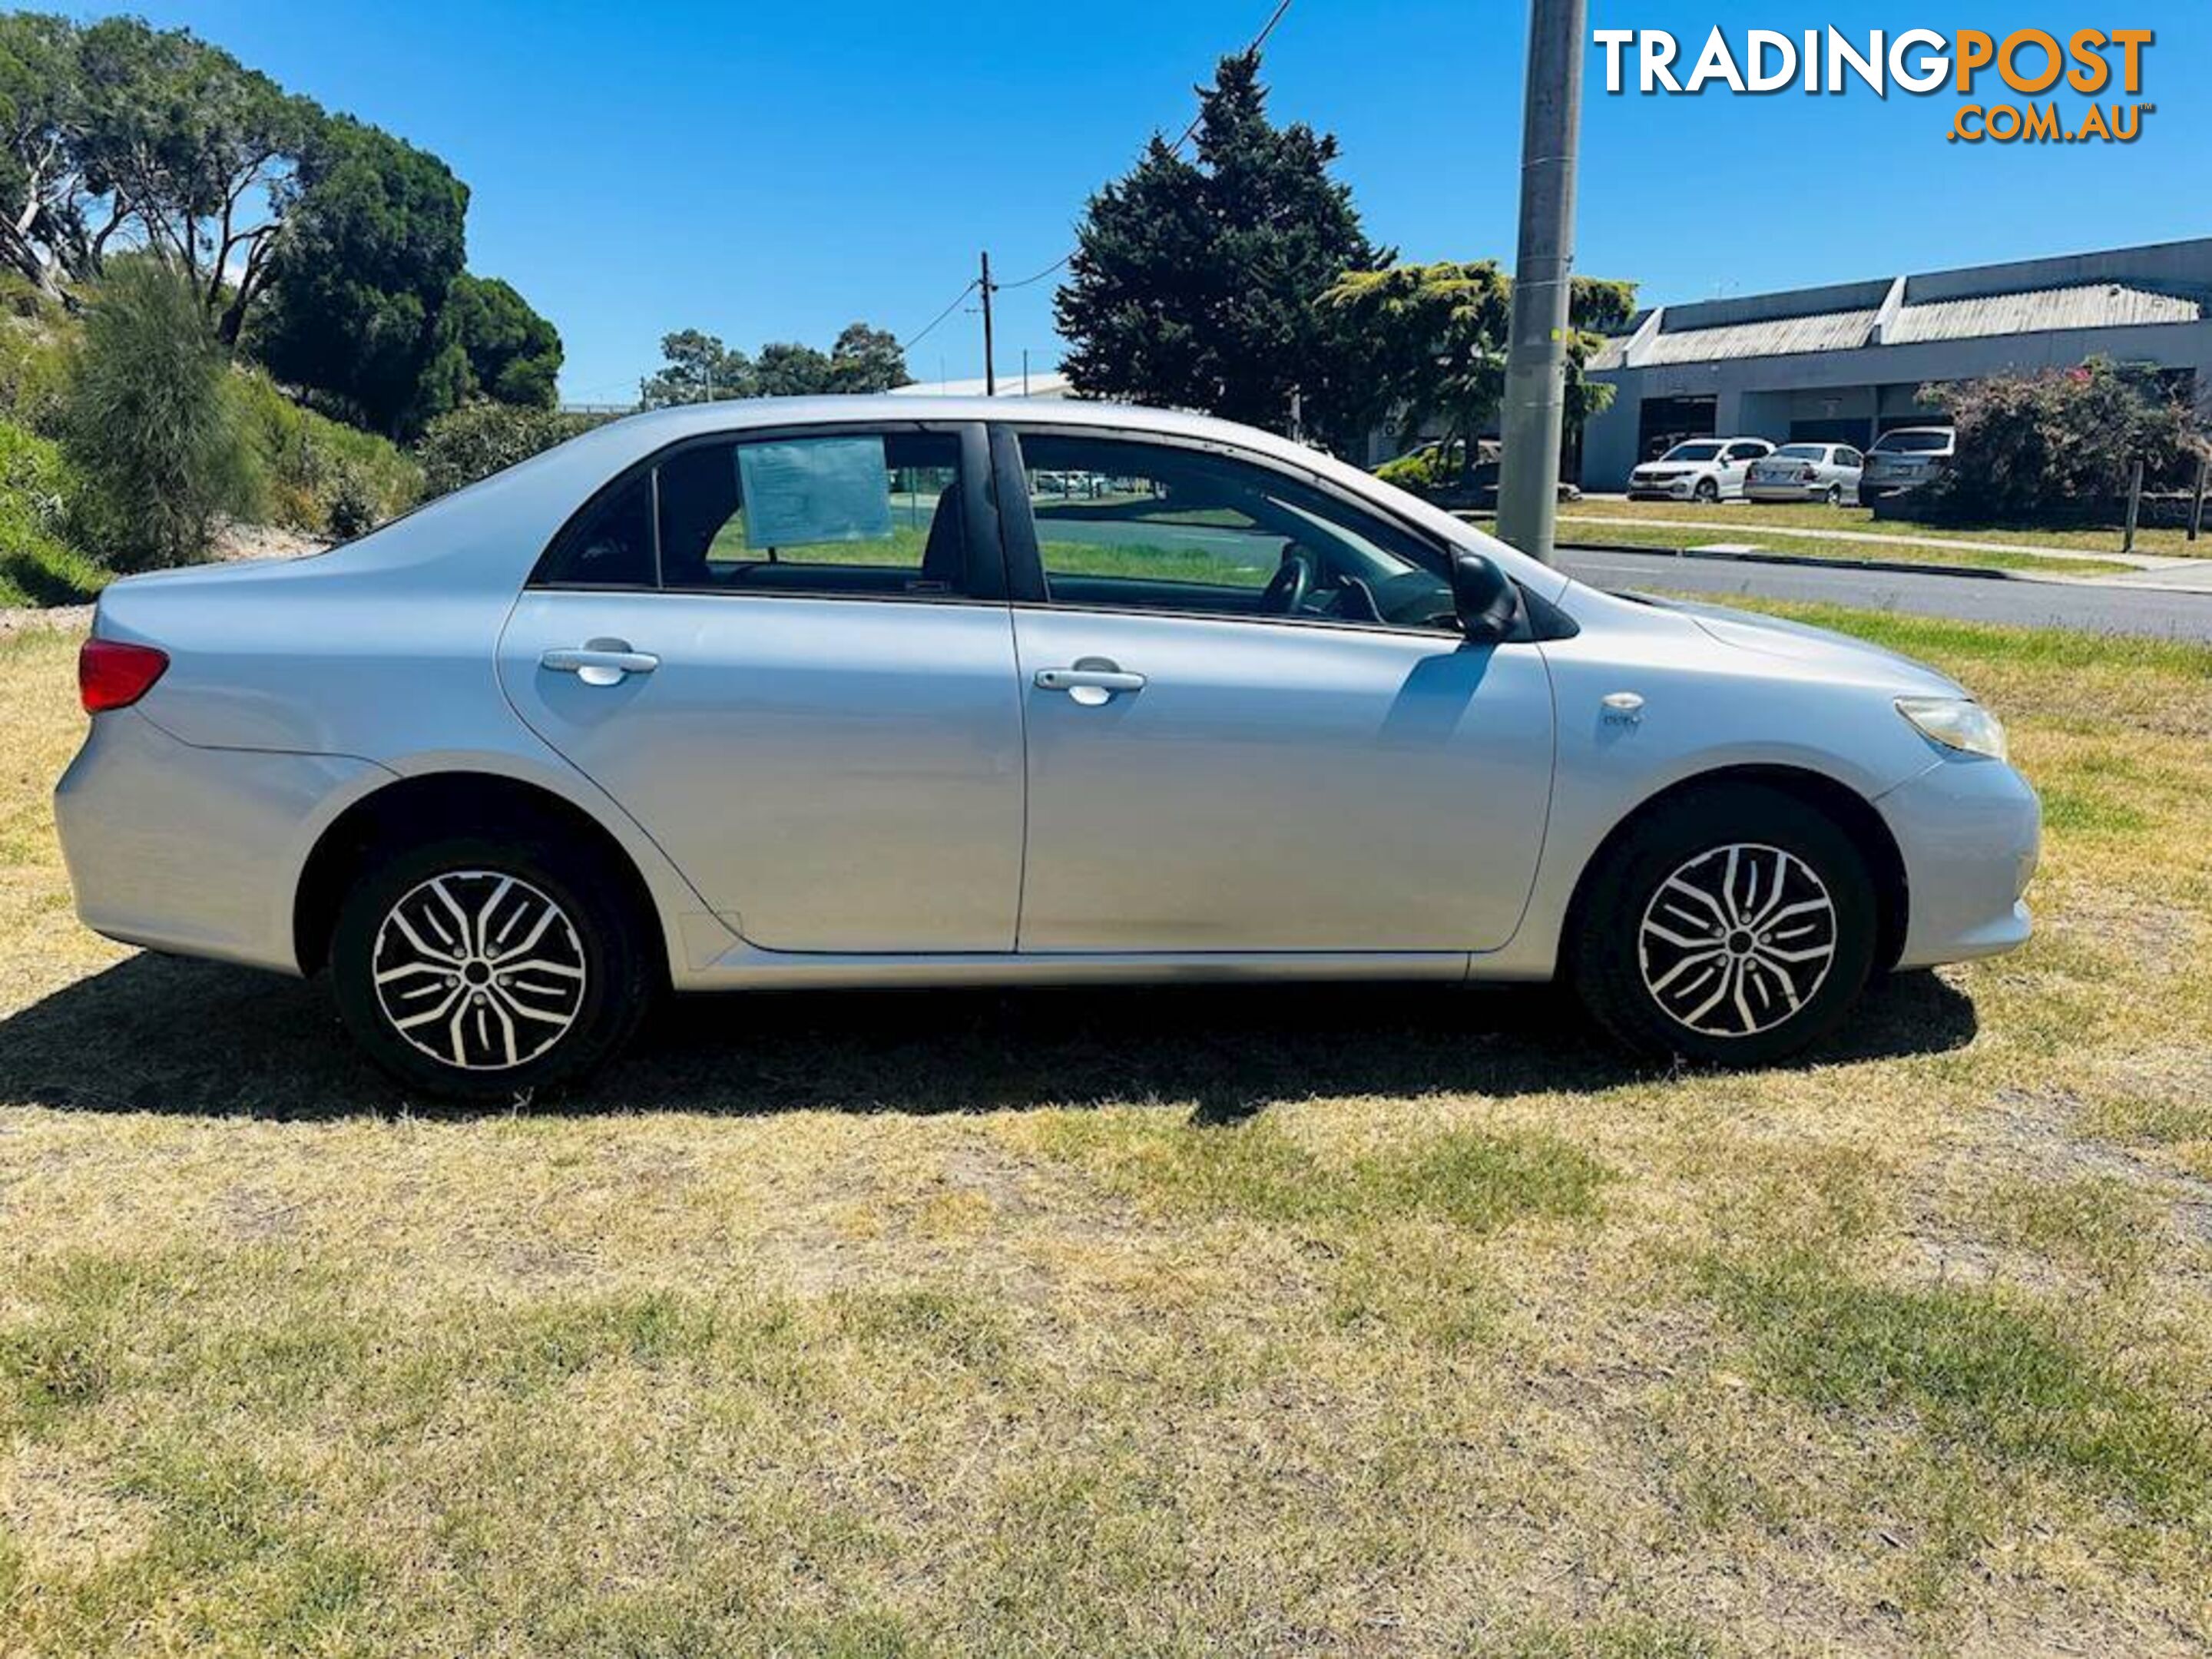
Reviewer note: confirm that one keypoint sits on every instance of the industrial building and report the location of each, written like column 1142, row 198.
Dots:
column 1846, row 363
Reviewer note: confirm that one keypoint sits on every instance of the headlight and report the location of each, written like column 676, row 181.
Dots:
column 1958, row 723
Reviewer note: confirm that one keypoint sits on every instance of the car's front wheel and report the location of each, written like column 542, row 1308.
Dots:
column 484, row 969
column 1735, row 925
column 1707, row 491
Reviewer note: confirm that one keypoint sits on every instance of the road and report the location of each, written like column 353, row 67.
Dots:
column 2101, row 609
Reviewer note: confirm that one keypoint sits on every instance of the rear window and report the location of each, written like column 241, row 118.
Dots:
column 1801, row 451
column 1912, row 443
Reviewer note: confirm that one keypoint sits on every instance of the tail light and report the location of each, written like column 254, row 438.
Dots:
column 111, row 674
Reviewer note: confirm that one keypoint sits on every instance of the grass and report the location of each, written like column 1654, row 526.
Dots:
column 1301, row 1320
column 1601, row 527
column 38, row 570
column 1817, row 516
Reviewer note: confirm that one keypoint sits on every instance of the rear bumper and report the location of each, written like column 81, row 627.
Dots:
column 1970, row 831
column 197, row 851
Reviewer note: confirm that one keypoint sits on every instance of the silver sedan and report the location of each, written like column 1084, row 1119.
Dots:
column 845, row 692
column 1807, row 473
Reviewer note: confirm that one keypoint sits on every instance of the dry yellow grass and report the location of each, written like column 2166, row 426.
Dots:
column 1309, row 1321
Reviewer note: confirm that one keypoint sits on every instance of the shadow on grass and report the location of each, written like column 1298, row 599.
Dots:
column 158, row 1034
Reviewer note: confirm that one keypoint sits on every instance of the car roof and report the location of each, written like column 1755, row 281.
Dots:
column 524, row 504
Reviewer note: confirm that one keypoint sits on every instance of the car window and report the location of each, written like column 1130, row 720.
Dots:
column 1802, row 452
column 1130, row 525
column 609, row 544
column 842, row 512
column 1693, row 453
column 1746, row 452
column 1850, row 457
column 1911, row 443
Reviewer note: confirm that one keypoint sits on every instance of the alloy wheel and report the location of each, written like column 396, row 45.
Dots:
column 1737, row 939
column 479, row 970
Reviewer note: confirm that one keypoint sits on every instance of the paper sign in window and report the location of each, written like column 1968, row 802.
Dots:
column 815, row 489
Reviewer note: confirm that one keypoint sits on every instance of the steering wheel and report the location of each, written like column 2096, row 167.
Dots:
column 1293, row 579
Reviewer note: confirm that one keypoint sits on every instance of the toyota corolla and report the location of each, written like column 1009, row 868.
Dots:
column 864, row 692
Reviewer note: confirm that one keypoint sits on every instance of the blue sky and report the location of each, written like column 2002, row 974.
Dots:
column 773, row 171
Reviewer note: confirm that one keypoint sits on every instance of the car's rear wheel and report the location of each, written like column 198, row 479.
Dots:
column 485, row 970
column 1734, row 925
column 1835, row 496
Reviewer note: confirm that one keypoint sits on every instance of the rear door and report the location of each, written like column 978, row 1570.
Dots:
column 1253, row 725
column 1736, row 464
column 789, row 656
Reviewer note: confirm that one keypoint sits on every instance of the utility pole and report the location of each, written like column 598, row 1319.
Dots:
column 990, row 370
column 1536, row 355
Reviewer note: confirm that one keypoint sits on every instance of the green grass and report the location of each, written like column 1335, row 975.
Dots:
column 1814, row 515
column 1978, row 645
column 2099, row 1225
column 1480, row 1182
column 1144, row 563
column 39, row 570
column 1574, row 530
column 1976, row 1369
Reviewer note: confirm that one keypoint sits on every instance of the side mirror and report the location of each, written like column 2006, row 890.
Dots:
column 1488, row 603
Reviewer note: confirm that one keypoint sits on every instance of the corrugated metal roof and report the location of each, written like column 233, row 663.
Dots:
column 2090, row 305
column 1611, row 353
column 1825, row 330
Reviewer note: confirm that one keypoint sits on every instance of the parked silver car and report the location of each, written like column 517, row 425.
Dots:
column 1807, row 473
column 1699, row 470
column 827, row 692
column 1905, row 460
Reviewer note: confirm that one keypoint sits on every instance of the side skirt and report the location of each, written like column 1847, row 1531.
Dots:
column 747, row 968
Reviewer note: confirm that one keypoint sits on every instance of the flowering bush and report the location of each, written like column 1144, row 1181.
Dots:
column 2064, row 444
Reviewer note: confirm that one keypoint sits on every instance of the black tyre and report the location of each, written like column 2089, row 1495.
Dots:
column 1707, row 491
column 483, row 970
column 1734, row 926
column 1835, row 495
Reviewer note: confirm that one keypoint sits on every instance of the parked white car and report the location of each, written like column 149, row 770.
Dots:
column 1699, row 470
column 1904, row 460
column 1807, row 473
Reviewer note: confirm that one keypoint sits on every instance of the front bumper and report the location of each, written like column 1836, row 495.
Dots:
column 1970, row 831
column 194, row 850
column 1672, row 489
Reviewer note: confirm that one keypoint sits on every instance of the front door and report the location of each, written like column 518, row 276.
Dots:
column 1252, row 725
column 790, row 658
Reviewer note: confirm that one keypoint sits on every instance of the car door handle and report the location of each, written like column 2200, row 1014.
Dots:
column 1088, row 679
column 599, row 662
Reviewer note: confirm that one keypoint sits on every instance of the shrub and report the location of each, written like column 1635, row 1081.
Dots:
column 34, row 374
column 1425, row 470
column 38, row 498
column 316, row 474
column 478, row 439
column 2061, row 445
column 147, row 422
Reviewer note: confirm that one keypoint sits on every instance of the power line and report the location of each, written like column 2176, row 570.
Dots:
column 1188, row 133
column 1040, row 276
column 917, row 339
column 1258, row 41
